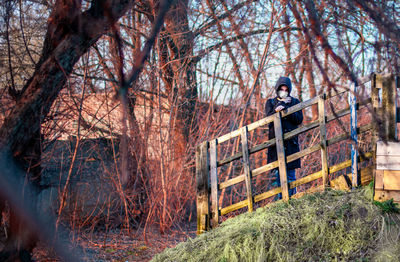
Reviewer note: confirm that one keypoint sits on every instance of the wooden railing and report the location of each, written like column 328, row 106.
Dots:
column 207, row 163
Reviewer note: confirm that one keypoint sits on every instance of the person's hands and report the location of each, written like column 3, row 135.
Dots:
column 279, row 108
column 287, row 100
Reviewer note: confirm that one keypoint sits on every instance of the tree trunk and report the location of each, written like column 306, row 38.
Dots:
column 66, row 41
column 184, row 92
column 311, row 84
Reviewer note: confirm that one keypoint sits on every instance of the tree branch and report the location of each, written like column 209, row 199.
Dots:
column 209, row 49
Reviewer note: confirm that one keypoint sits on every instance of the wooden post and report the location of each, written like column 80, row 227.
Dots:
column 376, row 84
column 353, row 134
column 376, row 119
column 389, row 105
column 280, row 150
column 397, row 83
column 214, row 183
column 202, row 200
column 246, row 167
column 322, row 133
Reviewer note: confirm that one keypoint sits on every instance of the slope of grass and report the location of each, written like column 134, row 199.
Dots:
column 328, row 226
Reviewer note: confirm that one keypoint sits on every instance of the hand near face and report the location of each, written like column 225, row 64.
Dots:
column 279, row 108
column 287, row 100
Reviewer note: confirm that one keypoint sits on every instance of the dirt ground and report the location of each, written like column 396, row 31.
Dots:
column 119, row 245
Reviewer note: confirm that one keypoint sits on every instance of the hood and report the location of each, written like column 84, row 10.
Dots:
column 283, row 81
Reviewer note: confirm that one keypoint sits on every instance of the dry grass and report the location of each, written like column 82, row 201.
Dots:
column 328, row 226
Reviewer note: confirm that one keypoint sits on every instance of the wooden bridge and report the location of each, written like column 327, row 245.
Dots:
column 381, row 105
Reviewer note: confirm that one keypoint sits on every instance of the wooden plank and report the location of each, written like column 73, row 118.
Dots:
column 376, row 116
column 346, row 111
column 353, row 134
column 367, row 175
column 388, row 148
column 265, row 168
column 340, row 166
column 246, row 168
column 233, row 207
column 391, row 180
column 322, row 135
column 345, row 136
column 338, row 114
column 250, row 127
column 260, row 123
column 214, row 183
column 228, row 136
column 254, row 173
column 202, row 198
column 231, row 182
column 389, row 106
column 306, row 179
column 383, row 195
column 375, row 123
column 340, row 183
column 302, row 153
column 397, row 110
column 299, row 106
column 230, row 159
column 281, row 156
column 332, row 93
column 387, row 162
column 387, row 155
column 262, row 146
column 301, row 129
column 337, row 139
column 252, row 150
column 347, row 163
column 267, row 194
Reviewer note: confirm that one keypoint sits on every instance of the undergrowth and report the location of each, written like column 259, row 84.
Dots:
column 328, row 226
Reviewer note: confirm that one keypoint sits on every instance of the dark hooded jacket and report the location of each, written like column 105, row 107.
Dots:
column 289, row 123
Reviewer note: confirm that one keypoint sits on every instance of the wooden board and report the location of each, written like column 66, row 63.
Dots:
column 391, row 180
column 387, row 155
column 281, row 157
column 367, row 175
column 388, row 162
column 379, row 179
column 246, row 168
column 383, row 195
column 340, row 183
column 322, row 133
column 387, row 148
column 214, row 183
column 202, row 202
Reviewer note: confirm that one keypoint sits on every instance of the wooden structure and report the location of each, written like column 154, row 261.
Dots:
column 207, row 162
column 387, row 179
column 387, row 166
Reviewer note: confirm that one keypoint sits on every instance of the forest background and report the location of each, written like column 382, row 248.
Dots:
column 103, row 102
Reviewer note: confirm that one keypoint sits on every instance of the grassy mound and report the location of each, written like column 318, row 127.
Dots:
column 328, row 226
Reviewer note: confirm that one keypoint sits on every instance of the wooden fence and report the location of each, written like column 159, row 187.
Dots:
column 383, row 109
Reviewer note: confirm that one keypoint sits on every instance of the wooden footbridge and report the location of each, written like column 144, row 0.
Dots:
column 381, row 105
